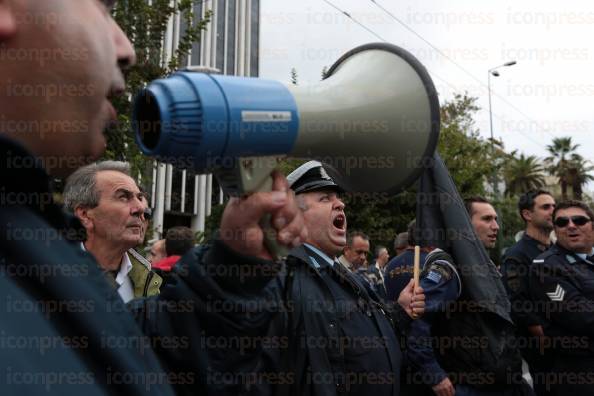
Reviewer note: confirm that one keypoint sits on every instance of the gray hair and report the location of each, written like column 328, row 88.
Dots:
column 80, row 189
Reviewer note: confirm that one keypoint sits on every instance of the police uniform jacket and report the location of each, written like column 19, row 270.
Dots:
column 562, row 286
column 399, row 272
column 312, row 327
column 514, row 269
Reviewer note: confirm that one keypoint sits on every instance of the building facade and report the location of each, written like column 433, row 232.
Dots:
column 231, row 45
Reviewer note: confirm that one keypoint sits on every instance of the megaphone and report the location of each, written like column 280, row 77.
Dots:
column 373, row 122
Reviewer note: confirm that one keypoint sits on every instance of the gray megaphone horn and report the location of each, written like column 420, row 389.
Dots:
column 373, row 122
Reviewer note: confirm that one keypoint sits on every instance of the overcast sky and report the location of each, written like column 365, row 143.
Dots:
column 548, row 93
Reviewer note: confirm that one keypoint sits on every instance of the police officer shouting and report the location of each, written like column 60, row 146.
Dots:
column 536, row 209
column 561, row 282
column 340, row 338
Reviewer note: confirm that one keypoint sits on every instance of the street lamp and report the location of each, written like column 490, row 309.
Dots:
column 493, row 71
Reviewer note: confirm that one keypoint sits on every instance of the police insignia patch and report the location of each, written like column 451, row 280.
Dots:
column 324, row 174
column 558, row 294
column 434, row 276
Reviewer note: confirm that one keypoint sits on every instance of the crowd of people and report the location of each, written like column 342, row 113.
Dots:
column 548, row 288
column 83, row 312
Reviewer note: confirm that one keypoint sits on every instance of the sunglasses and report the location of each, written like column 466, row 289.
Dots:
column 577, row 220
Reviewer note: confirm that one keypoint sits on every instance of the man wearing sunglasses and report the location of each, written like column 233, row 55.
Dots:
column 561, row 283
column 536, row 210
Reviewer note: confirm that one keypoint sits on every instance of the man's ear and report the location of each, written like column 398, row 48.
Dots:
column 526, row 214
column 84, row 216
column 7, row 20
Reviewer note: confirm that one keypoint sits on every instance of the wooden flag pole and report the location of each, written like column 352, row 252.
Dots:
column 416, row 268
column 416, row 272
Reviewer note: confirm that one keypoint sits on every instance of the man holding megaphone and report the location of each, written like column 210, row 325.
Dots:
column 338, row 336
column 303, row 325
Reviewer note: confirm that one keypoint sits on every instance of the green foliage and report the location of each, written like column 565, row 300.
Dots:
column 579, row 175
column 558, row 163
column 509, row 222
column 570, row 168
column 146, row 25
column 469, row 158
column 523, row 174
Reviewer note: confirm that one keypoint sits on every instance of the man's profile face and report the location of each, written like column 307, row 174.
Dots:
column 59, row 71
column 323, row 214
column 119, row 217
column 484, row 221
column 574, row 237
column 357, row 253
column 541, row 216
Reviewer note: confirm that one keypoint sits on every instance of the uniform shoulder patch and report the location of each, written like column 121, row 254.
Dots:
column 434, row 276
column 437, row 272
column 558, row 294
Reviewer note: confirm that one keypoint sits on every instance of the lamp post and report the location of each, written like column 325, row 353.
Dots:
column 493, row 71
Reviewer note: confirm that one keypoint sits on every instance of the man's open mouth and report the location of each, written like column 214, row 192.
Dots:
column 339, row 222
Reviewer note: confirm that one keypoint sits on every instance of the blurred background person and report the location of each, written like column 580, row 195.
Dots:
column 401, row 243
column 399, row 270
column 178, row 241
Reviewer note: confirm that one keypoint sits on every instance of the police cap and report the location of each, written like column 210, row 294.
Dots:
column 309, row 177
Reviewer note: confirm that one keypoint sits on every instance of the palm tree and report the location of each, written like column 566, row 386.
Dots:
column 559, row 160
column 579, row 174
column 523, row 174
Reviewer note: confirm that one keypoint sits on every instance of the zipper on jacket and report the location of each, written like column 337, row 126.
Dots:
column 147, row 283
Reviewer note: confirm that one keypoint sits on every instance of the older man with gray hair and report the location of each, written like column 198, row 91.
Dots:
column 111, row 208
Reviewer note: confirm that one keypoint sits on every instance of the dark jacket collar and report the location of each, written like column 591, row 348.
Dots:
column 556, row 248
column 539, row 245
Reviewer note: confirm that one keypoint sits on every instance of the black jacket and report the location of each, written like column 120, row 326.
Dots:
column 227, row 324
column 515, row 265
column 255, row 338
column 562, row 287
column 63, row 328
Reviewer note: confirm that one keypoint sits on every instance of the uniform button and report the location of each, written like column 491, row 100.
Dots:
column 156, row 283
column 332, row 325
column 368, row 313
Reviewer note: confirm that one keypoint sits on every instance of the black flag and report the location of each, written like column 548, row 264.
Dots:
column 442, row 222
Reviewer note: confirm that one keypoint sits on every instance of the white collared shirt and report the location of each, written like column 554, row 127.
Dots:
column 125, row 289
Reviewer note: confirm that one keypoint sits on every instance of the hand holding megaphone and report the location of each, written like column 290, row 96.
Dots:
column 241, row 227
column 373, row 122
